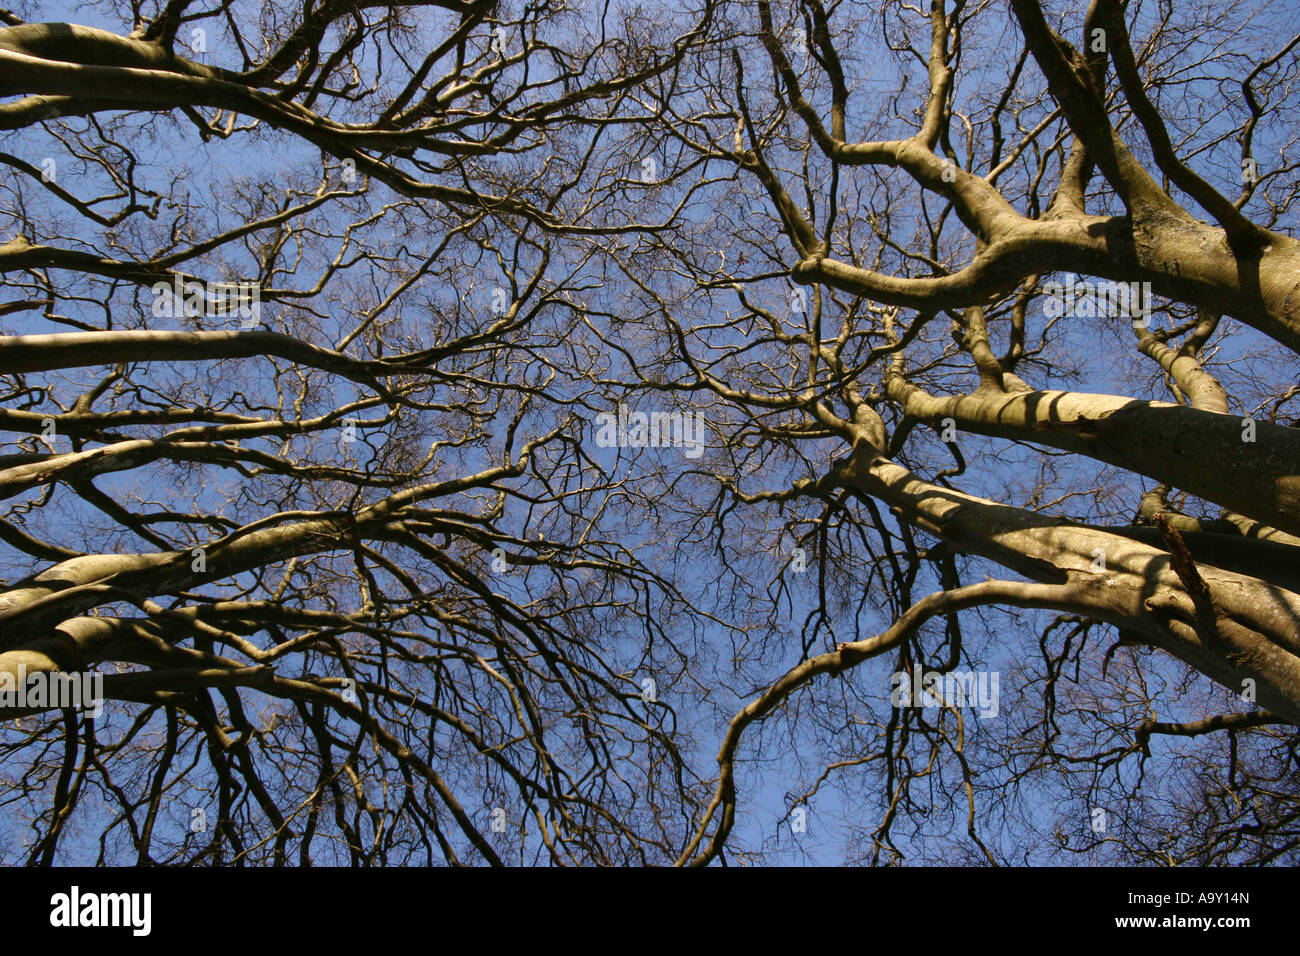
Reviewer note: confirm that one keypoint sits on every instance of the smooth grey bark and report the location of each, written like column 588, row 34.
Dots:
column 1254, row 632
column 1252, row 467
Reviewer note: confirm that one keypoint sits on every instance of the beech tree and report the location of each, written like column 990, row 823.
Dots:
column 297, row 465
column 1161, row 508
column 539, row 432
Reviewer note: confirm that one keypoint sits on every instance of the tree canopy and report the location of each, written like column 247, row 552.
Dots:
column 484, row 431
